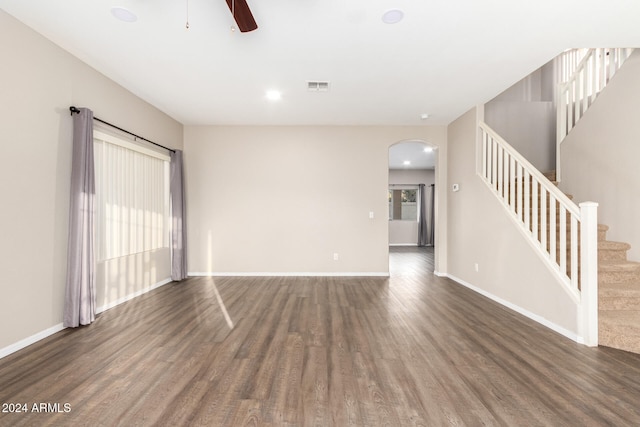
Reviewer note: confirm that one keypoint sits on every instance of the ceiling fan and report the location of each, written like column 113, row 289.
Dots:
column 242, row 15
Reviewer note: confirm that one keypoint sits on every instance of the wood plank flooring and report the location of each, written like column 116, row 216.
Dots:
column 409, row 350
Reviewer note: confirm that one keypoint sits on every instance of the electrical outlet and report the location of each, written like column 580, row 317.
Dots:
column 477, row 267
column 336, row 257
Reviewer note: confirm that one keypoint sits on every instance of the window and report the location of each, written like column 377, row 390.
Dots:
column 132, row 198
column 402, row 204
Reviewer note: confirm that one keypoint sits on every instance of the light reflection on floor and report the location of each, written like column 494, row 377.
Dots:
column 410, row 260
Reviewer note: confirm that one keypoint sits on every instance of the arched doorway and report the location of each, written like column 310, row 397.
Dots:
column 412, row 179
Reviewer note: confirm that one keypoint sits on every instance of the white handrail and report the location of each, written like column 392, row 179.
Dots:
column 563, row 233
column 577, row 94
column 567, row 63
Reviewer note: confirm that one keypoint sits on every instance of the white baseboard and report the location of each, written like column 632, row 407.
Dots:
column 12, row 348
column 526, row 313
column 132, row 296
column 403, row 244
column 288, row 274
column 30, row 340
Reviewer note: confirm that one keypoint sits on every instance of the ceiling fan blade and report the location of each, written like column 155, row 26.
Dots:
column 242, row 14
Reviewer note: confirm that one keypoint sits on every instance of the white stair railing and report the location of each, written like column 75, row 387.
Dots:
column 563, row 233
column 576, row 95
column 567, row 62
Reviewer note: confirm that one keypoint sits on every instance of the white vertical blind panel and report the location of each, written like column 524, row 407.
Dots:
column 132, row 194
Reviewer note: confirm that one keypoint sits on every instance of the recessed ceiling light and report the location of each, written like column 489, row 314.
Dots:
column 273, row 95
column 123, row 14
column 406, row 162
column 392, row 16
column 424, row 116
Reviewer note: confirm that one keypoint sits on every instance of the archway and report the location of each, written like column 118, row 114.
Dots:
column 412, row 196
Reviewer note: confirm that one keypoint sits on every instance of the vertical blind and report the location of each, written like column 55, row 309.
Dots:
column 132, row 198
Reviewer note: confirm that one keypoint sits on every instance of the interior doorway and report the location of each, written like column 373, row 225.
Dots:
column 411, row 193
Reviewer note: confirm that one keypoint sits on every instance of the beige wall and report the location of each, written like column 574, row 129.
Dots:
column 285, row 199
column 38, row 83
column 481, row 232
column 524, row 115
column 600, row 156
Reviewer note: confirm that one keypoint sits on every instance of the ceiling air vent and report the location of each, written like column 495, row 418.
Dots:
column 318, row 86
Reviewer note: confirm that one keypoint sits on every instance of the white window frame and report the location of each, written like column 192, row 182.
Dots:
column 413, row 187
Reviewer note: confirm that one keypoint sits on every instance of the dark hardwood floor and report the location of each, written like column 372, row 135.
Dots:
column 413, row 349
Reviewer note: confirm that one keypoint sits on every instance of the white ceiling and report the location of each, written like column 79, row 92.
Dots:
column 412, row 151
column 443, row 58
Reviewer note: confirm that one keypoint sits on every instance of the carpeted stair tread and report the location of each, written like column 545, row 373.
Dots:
column 618, row 271
column 626, row 318
column 612, row 251
column 619, row 296
column 608, row 245
column 620, row 329
column 619, row 266
column 602, row 232
column 619, row 289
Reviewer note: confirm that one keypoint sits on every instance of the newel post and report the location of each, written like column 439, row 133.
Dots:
column 589, row 272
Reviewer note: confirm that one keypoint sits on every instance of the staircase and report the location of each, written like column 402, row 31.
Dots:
column 618, row 278
column 559, row 230
column 618, row 295
column 604, row 284
column 618, row 288
column 563, row 234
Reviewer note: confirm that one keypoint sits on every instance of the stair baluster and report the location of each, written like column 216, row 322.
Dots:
column 521, row 188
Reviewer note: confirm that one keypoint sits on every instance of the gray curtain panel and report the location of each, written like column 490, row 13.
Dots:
column 178, row 219
column 80, row 293
column 426, row 215
column 432, row 217
column 423, row 234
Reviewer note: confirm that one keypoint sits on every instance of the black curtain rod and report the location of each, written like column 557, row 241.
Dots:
column 76, row 110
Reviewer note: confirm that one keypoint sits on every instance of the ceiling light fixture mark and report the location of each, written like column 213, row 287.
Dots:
column 392, row 16
column 123, row 14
